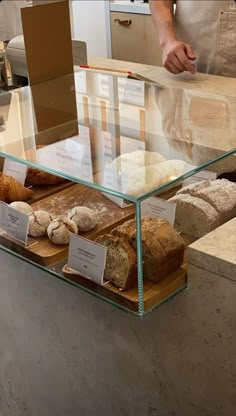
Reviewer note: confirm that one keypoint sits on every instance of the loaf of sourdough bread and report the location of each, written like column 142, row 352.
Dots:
column 121, row 269
column 147, row 178
column 194, row 216
column 170, row 241
column 202, row 207
column 137, row 159
column 162, row 247
column 221, row 194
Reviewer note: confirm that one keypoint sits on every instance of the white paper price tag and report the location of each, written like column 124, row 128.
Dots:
column 157, row 207
column 200, row 176
column 14, row 222
column 87, row 258
column 118, row 201
column 115, row 181
column 15, row 169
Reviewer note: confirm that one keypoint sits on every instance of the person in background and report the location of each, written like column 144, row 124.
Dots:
column 203, row 31
column 10, row 18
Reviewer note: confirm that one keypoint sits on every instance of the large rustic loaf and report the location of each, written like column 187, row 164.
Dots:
column 137, row 159
column 147, row 178
column 194, row 216
column 162, row 247
column 202, row 207
column 120, row 267
column 221, row 194
column 170, row 241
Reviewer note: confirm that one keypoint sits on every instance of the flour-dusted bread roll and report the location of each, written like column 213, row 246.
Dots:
column 38, row 223
column 59, row 230
column 162, row 247
column 121, row 269
column 22, row 207
column 85, row 218
column 139, row 158
column 194, row 216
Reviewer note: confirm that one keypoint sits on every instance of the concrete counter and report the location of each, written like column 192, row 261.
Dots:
column 65, row 353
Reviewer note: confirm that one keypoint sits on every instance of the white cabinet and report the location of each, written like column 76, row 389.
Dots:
column 90, row 23
column 134, row 38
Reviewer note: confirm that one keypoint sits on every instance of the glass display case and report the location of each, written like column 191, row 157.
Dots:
column 122, row 148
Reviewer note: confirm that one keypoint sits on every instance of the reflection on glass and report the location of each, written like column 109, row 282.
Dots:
column 121, row 135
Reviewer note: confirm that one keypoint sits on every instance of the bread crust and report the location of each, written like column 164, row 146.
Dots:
column 131, row 279
column 38, row 177
column 160, row 255
column 11, row 190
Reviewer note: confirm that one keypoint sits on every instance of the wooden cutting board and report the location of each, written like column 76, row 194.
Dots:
column 41, row 250
column 153, row 293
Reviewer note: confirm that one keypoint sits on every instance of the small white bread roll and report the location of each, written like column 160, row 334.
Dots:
column 85, row 218
column 22, row 207
column 59, row 230
column 38, row 223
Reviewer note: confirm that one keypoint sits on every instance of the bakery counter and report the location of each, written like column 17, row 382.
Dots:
column 87, row 355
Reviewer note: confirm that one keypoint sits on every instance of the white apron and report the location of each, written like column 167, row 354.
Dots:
column 209, row 26
column 10, row 18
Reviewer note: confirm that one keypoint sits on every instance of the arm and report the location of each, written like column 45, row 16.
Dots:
column 176, row 54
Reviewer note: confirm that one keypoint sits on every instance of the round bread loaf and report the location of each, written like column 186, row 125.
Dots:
column 85, row 218
column 147, row 178
column 38, row 223
column 22, row 207
column 59, row 230
column 137, row 159
column 120, row 267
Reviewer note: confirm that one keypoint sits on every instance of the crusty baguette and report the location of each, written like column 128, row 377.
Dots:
column 38, row 177
column 11, row 190
column 121, row 269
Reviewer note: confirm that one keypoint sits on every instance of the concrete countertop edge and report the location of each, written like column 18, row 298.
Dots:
column 215, row 264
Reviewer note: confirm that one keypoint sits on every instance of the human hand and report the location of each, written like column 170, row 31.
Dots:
column 177, row 56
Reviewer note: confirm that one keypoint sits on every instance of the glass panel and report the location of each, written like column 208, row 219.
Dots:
column 124, row 137
column 99, row 129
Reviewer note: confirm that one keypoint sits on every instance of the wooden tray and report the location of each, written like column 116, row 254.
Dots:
column 41, row 192
column 41, row 250
column 154, row 293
